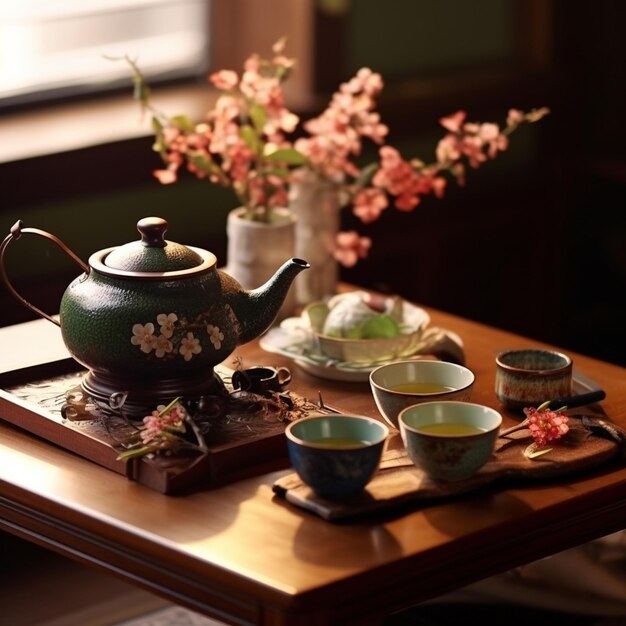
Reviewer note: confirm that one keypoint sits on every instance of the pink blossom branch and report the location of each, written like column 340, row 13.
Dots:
column 243, row 144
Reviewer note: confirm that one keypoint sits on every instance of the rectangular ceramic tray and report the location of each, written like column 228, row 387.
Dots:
column 244, row 445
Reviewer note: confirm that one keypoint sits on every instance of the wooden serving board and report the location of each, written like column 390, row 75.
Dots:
column 399, row 483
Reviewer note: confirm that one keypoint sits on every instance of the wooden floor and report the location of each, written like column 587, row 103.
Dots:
column 41, row 588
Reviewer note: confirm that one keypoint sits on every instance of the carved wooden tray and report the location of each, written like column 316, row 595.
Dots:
column 243, row 443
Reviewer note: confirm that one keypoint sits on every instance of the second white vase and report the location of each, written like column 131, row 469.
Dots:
column 316, row 205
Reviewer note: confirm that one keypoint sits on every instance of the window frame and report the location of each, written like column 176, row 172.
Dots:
column 43, row 93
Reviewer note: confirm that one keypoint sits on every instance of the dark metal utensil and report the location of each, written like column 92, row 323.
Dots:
column 579, row 400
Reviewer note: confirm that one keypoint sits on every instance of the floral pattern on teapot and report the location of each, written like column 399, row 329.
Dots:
column 165, row 345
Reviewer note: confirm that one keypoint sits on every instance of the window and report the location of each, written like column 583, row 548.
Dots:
column 53, row 48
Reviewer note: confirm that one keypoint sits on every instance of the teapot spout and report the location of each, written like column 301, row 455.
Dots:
column 262, row 305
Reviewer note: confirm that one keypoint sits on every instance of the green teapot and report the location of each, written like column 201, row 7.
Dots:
column 152, row 318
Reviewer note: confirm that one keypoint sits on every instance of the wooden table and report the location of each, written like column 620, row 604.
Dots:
column 239, row 555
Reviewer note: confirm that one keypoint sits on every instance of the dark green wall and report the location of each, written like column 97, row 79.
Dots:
column 196, row 213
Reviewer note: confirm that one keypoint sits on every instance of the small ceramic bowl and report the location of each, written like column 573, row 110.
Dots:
column 449, row 441
column 336, row 455
column 529, row 377
column 414, row 321
column 398, row 385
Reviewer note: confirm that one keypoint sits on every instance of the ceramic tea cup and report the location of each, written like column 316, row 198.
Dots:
column 261, row 379
column 336, row 455
column 398, row 385
column 529, row 377
column 449, row 441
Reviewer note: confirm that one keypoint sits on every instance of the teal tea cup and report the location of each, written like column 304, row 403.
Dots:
column 449, row 440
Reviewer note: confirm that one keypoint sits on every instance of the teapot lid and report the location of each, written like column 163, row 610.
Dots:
column 152, row 254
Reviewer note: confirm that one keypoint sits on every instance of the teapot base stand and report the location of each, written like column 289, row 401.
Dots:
column 139, row 398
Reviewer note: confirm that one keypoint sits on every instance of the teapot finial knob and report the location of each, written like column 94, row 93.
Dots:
column 152, row 231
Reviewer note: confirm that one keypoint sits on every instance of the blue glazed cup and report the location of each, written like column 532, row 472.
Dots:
column 336, row 455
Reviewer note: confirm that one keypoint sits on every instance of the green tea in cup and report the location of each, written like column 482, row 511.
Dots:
column 339, row 442
column 455, row 429
column 421, row 388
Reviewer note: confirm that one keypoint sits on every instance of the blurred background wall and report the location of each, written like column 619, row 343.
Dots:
column 534, row 243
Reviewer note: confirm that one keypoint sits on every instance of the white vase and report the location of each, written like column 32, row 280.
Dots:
column 316, row 205
column 255, row 250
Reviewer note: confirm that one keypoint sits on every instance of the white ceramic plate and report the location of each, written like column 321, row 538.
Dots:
column 296, row 345
column 333, row 373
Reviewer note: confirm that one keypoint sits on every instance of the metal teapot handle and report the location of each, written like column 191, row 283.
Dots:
column 16, row 232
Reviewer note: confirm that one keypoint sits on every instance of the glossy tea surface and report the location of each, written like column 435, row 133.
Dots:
column 421, row 388
column 340, row 442
column 450, row 428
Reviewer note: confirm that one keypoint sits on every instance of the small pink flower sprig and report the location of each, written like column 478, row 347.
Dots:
column 163, row 431
column 544, row 426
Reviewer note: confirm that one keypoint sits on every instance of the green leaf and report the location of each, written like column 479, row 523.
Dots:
column 282, row 73
column 250, row 138
column 134, row 452
column 286, row 155
column 366, row 175
column 532, row 452
column 169, row 407
column 258, row 116
column 159, row 145
column 202, row 162
column 282, row 172
column 141, row 91
column 156, row 124
column 183, row 122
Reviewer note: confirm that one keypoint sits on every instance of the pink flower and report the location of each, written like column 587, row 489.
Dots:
column 166, row 177
column 224, row 79
column 336, row 135
column 350, row 248
column 369, row 203
column 453, row 122
column 448, row 149
column 546, row 425
column 159, row 425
